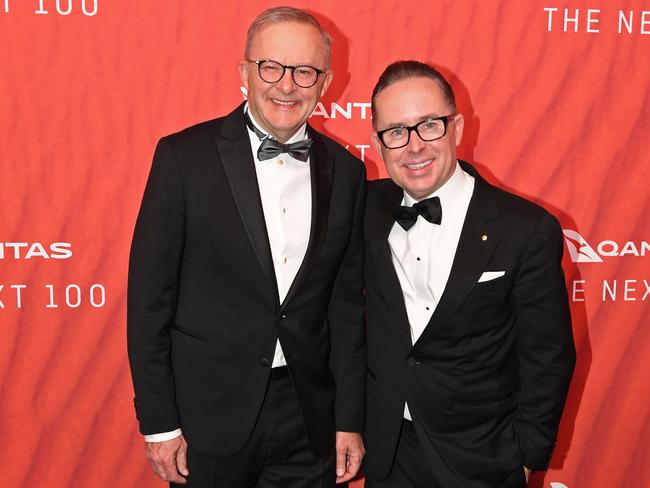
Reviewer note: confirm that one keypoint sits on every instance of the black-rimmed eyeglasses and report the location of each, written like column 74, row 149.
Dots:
column 428, row 130
column 270, row 71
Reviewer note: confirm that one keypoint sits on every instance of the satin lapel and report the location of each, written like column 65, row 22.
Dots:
column 321, row 162
column 235, row 153
column 379, row 223
column 481, row 233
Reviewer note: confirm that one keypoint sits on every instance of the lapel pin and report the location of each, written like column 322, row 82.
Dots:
column 484, row 237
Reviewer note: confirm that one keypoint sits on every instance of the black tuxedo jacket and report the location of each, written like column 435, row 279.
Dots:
column 487, row 379
column 203, row 307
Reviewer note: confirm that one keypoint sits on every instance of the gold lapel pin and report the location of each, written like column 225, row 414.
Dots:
column 484, row 237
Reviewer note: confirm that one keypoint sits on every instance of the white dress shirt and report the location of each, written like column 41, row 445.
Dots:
column 285, row 190
column 423, row 256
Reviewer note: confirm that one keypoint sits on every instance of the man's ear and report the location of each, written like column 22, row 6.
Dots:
column 243, row 74
column 460, row 125
column 377, row 143
column 328, row 76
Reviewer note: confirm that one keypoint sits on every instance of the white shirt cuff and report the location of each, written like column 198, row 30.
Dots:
column 163, row 436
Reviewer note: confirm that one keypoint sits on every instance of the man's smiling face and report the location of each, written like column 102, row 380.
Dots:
column 420, row 167
column 282, row 107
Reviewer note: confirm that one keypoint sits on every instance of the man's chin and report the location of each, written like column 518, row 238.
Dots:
column 284, row 130
column 420, row 190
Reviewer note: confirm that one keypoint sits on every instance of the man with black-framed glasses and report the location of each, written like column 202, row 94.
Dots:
column 470, row 350
column 245, row 307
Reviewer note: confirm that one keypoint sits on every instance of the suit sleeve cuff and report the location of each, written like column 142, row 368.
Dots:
column 163, row 436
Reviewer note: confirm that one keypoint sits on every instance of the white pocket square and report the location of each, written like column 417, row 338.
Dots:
column 491, row 275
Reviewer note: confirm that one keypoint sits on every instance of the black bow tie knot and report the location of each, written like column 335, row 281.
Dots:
column 271, row 148
column 430, row 209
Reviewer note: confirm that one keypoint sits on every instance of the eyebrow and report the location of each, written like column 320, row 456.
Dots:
column 296, row 65
column 404, row 124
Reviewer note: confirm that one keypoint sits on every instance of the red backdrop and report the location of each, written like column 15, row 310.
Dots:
column 555, row 98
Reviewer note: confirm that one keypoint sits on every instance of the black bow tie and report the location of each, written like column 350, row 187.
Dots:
column 430, row 209
column 271, row 148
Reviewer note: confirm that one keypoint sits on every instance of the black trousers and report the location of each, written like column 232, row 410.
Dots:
column 277, row 455
column 411, row 468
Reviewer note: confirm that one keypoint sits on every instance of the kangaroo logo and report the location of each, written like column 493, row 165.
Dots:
column 580, row 251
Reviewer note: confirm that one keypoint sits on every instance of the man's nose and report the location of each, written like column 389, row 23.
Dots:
column 286, row 83
column 416, row 144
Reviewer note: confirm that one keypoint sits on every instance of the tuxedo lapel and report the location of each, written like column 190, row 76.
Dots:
column 379, row 223
column 482, row 231
column 321, row 163
column 235, row 153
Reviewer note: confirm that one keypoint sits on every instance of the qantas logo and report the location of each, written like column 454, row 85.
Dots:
column 582, row 252
column 579, row 249
column 31, row 250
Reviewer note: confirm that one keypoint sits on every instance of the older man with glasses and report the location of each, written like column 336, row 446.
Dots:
column 245, row 306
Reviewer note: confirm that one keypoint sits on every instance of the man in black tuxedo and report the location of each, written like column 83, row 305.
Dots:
column 245, row 302
column 470, row 351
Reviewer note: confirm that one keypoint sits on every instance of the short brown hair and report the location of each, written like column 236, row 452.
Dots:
column 403, row 70
column 286, row 14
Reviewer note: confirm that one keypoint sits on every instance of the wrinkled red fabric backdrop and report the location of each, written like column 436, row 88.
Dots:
column 555, row 98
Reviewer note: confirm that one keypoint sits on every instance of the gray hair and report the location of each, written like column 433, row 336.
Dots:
column 286, row 14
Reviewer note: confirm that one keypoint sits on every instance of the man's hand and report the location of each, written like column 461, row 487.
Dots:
column 168, row 459
column 349, row 453
column 527, row 473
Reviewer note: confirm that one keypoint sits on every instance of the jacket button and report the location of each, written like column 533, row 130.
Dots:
column 411, row 361
column 265, row 362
